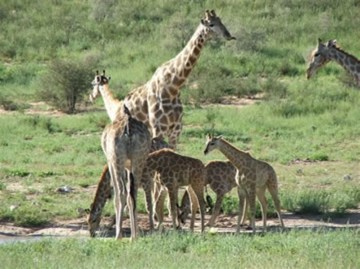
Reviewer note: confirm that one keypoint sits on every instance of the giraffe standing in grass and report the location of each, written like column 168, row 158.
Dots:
column 124, row 140
column 250, row 171
column 157, row 103
column 326, row 52
column 174, row 171
column 104, row 192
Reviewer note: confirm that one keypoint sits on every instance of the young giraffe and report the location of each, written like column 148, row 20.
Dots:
column 249, row 172
column 157, row 103
column 174, row 171
column 124, row 140
column 104, row 192
column 221, row 178
column 325, row 52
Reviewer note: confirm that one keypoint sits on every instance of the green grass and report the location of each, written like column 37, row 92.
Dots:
column 296, row 249
column 307, row 130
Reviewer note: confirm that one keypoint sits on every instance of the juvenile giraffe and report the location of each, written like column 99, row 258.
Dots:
column 174, row 171
column 124, row 140
column 325, row 52
column 157, row 103
column 249, row 172
column 104, row 192
column 221, row 178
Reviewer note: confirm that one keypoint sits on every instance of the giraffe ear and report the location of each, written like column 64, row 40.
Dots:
column 319, row 41
column 97, row 72
column 212, row 12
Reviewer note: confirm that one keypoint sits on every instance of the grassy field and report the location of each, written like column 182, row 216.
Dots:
column 297, row 249
column 308, row 130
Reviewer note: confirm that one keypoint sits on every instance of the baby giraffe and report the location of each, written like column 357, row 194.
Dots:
column 173, row 171
column 252, row 176
column 124, row 140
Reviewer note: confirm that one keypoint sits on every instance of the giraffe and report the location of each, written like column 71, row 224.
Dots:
column 249, row 172
column 124, row 140
column 174, row 171
column 104, row 192
column 157, row 102
column 325, row 52
column 221, row 178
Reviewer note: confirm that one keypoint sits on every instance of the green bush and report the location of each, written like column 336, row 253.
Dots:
column 65, row 83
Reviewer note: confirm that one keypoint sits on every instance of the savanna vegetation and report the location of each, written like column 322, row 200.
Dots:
column 308, row 130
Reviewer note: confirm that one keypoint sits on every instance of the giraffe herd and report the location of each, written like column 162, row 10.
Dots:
column 137, row 155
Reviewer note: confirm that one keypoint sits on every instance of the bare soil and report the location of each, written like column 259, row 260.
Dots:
column 225, row 224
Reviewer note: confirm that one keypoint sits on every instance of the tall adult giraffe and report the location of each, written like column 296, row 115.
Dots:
column 157, row 103
column 326, row 52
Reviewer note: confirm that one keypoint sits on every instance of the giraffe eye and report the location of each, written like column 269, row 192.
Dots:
column 211, row 25
column 317, row 54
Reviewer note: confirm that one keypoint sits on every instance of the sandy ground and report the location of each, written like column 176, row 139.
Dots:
column 225, row 224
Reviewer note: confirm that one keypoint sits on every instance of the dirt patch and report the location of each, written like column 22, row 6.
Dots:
column 225, row 224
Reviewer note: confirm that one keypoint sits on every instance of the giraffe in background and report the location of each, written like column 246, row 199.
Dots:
column 125, row 140
column 325, row 52
column 249, row 172
column 157, row 103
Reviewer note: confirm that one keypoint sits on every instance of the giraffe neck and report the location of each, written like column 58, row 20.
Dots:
column 182, row 64
column 103, row 193
column 234, row 155
column 349, row 62
column 111, row 103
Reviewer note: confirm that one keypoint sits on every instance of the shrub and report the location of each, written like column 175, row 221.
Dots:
column 65, row 83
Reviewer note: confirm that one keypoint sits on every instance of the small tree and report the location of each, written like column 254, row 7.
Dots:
column 64, row 84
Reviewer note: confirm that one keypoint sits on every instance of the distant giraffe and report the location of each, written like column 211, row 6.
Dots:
column 325, row 52
column 249, row 172
column 157, row 103
column 174, row 171
column 104, row 192
column 124, row 140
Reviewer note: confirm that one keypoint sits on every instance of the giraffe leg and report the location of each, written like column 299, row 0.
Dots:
column 274, row 194
column 149, row 205
column 251, row 196
column 216, row 209
column 173, row 200
column 159, row 206
column 193, row 206
column 245, row 211
column 119, row 199
column 263, row 204
column 131, row 202
column 241, row 194
column 199, row 192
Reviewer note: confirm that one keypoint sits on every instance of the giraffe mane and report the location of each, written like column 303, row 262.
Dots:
column 338, row 48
